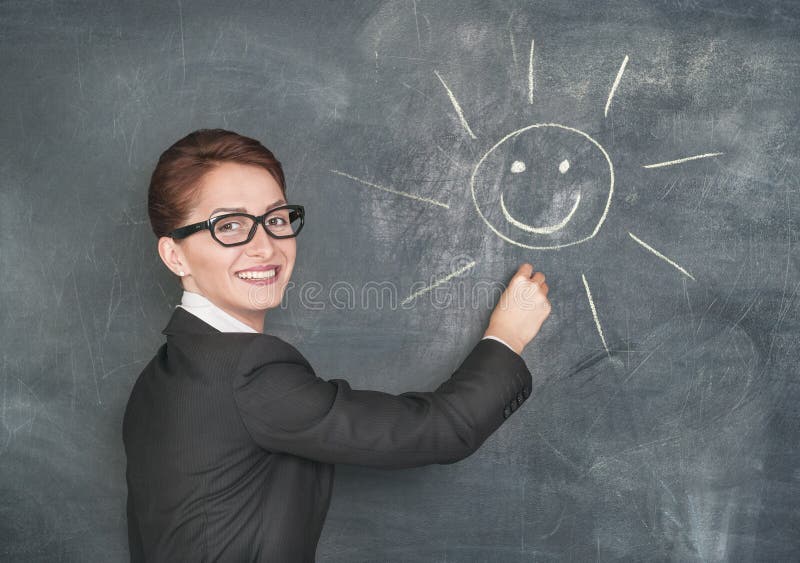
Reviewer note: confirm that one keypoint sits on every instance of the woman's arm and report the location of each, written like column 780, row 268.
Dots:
column 287, row 408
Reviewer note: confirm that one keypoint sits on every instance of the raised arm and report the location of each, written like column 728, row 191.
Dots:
column 287, row 408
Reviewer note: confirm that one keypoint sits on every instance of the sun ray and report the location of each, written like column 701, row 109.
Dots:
column 657, row 253
column 391, row 190
column 455, row 105
column 530, row 75
column 682, row 160
column 616, row 83
column 594, row 313
column 438, row 282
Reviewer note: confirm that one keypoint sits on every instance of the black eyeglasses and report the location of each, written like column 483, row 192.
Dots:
column 233, row 229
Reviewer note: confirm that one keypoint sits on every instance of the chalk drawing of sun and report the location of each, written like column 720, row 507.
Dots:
column 544, row 186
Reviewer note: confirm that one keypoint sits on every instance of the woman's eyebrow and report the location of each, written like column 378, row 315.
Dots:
column 276, row 204
column 229, row 210
column 243, row 210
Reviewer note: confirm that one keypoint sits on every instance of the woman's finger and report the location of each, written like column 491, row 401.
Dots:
column 525, row 271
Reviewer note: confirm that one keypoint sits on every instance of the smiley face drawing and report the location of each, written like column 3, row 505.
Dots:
column 545, row 186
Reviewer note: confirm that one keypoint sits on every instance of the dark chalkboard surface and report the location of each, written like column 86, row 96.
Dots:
column 644, row 155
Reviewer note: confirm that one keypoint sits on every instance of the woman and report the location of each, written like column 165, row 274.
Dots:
column 230, row 436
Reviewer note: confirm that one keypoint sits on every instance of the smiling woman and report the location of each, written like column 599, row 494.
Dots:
column 225, row 176
column 229, row 434
column 221, row 266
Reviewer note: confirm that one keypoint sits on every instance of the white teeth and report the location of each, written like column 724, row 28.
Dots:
column 257, row 275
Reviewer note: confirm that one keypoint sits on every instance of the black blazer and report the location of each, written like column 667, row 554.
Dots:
column 230, row 440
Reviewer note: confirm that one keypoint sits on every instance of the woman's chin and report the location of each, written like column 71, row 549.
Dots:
column 261, row 297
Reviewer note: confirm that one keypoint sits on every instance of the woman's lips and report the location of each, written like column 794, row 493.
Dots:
column 260, row 275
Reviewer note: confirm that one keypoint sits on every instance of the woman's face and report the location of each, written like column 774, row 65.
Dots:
column 215, row 271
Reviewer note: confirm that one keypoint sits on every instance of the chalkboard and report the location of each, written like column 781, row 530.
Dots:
column 644, row 155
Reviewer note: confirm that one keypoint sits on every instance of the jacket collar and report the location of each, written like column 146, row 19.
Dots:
column 183, row 322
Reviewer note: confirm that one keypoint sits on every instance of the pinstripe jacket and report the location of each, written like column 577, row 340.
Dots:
column 231, row 438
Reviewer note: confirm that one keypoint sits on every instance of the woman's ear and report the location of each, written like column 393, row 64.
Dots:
column 171, row 255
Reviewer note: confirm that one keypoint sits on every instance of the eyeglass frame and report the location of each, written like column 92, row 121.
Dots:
column 185, row 231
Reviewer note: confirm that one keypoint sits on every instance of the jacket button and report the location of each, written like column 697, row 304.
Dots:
column 520, row 398
column 507, row 412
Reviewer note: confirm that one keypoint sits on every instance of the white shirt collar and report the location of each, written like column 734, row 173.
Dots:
column 206, row 311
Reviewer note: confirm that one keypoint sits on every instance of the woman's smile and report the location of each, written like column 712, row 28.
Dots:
column 260, row 275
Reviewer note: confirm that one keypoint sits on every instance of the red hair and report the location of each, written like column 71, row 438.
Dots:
column 180, row 169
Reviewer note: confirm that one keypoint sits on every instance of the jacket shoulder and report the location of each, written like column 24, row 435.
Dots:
column 258, row 350
column 200, row 343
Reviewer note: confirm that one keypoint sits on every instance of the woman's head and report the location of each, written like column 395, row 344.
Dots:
column 176, row 179
column 208, row 173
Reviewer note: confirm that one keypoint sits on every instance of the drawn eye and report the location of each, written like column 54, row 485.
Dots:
column 564, row 166
column 517, row 167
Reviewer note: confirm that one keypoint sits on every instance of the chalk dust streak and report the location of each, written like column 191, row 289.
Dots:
column 594, row 314
column 616, row 83
column 657, row 253
column 455, row 105
column 391, row 190
column 682, row 160
column 439, row 282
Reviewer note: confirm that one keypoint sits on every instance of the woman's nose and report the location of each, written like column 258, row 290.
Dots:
column 262, row 243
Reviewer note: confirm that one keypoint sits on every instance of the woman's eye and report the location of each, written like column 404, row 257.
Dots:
column 229, row 226
column 277, row 221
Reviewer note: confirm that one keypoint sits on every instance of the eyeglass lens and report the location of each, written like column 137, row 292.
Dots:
column 236, row 228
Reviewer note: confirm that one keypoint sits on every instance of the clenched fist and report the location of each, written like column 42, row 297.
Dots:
column 522, row 309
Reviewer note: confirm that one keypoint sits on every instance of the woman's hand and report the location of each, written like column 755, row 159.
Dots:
column 522, row 309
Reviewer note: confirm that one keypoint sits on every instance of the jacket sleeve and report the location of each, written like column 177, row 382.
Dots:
column 287, row 408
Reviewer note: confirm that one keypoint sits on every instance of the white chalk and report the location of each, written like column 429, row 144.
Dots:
column 548, row 230
column 594, row 313
column 530, row 75
column 391, row 190
column 455, row 105
column 438, row 282
column 657, row 253
column 616, row 83
column 680, row 160
column 495, row 230
column 517, row 167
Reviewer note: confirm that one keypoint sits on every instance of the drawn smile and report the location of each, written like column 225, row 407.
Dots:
column 541, row 230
